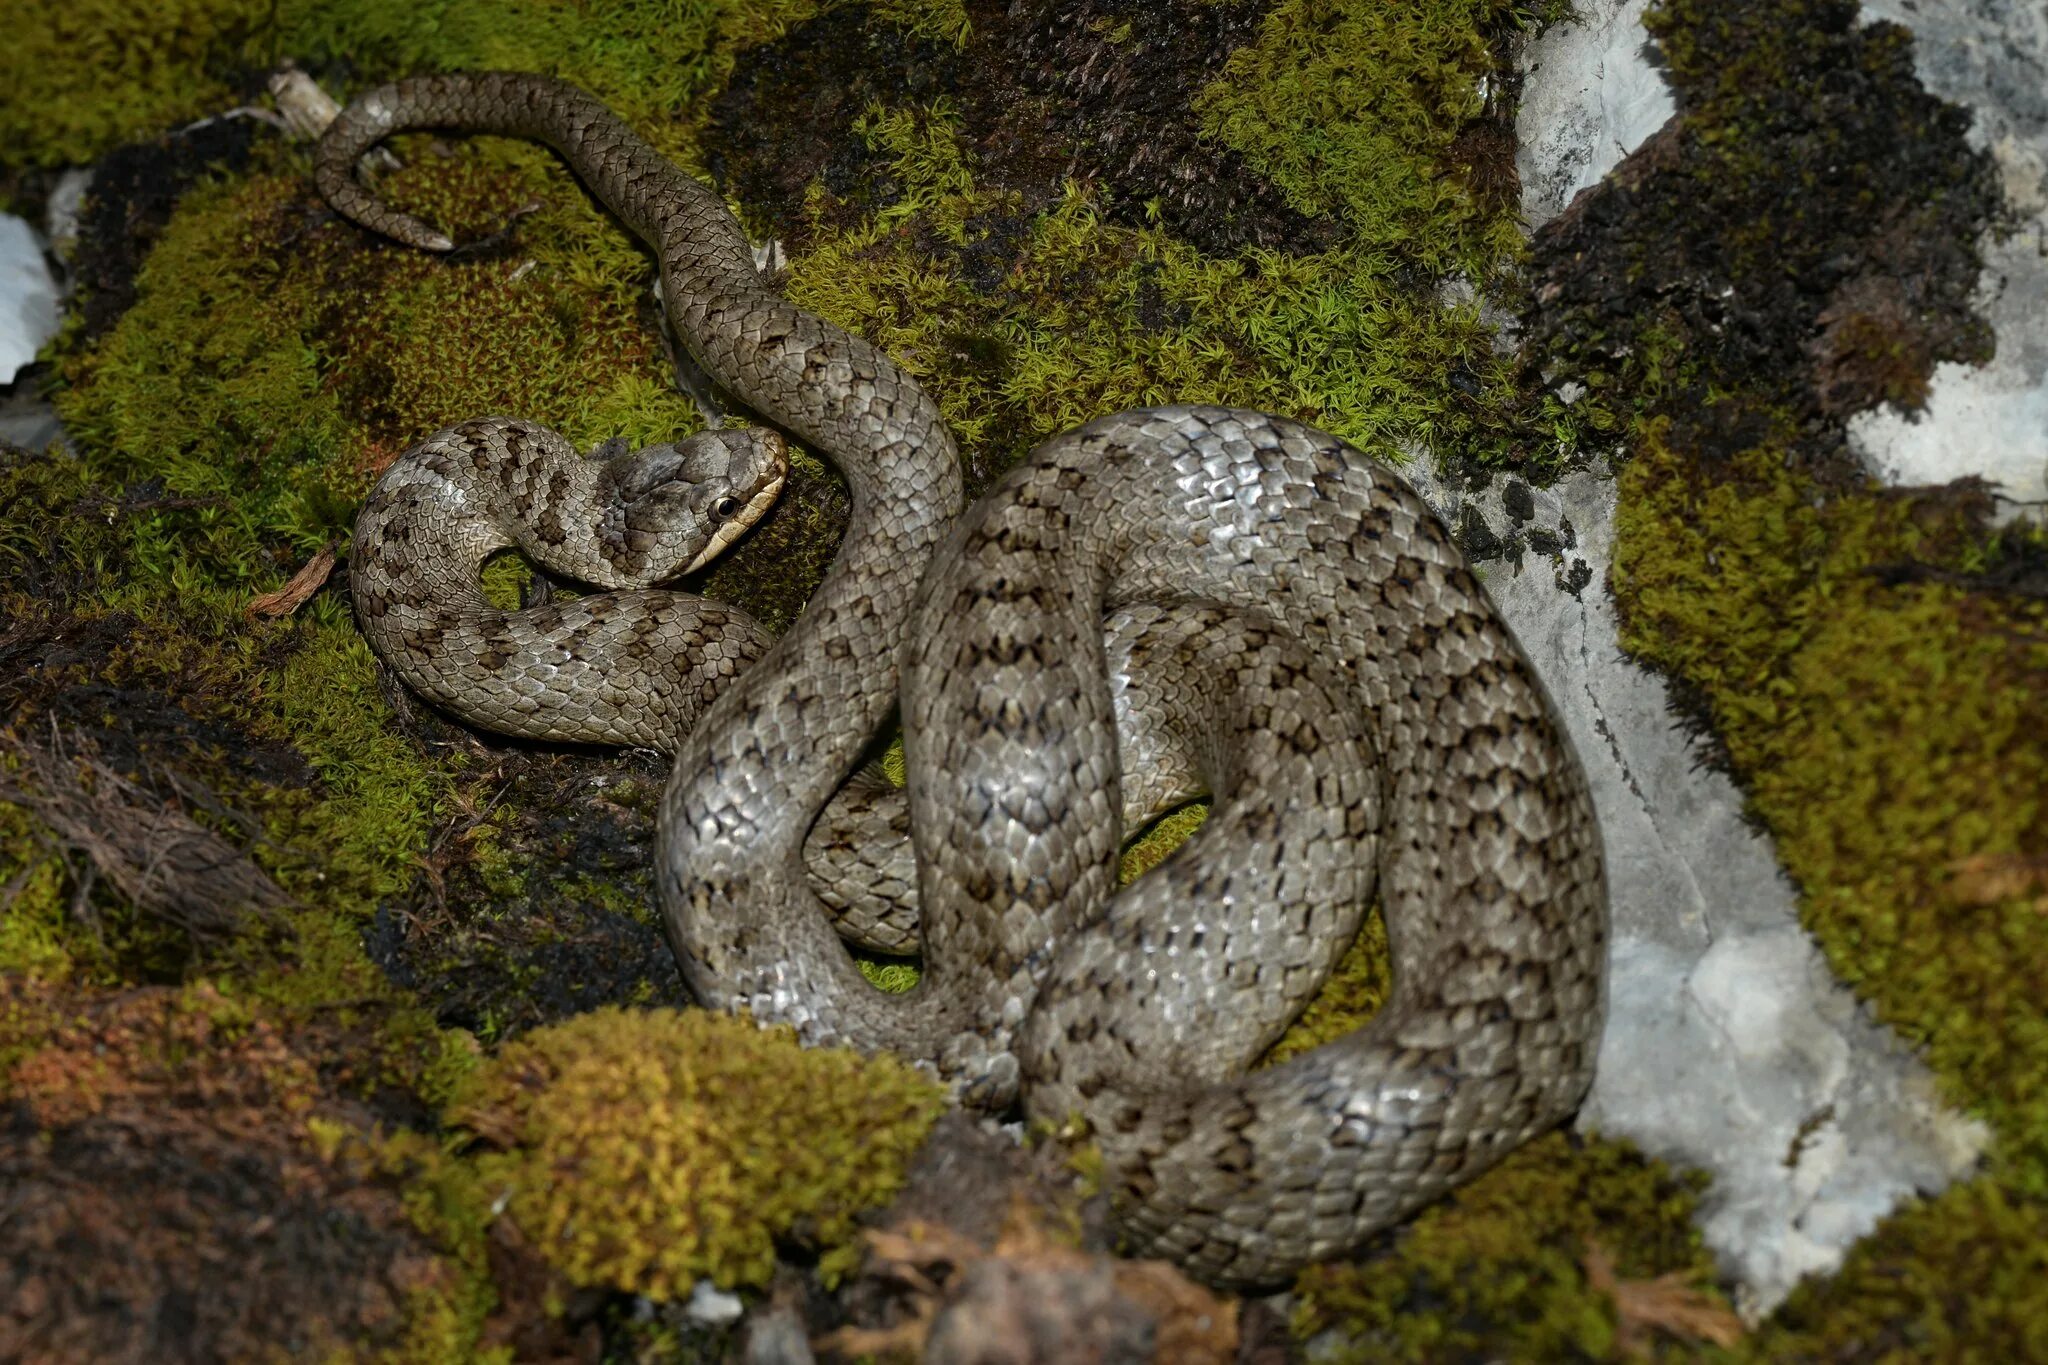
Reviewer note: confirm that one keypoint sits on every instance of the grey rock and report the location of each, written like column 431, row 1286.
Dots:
column 1591, row 98
column 60, row 218
column 713, row 1306
column 776, row 1337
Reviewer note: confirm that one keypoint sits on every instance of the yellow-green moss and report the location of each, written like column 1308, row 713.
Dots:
column 1956, row 1277
column 1320, row 338
column 1154, row 844
column 645, row 1150
column 35, row 933
column 1357, row 987
column 945, row 20
column 1496, row 1271
column 1355, row 110
column 83, row 77
column 1885, row 733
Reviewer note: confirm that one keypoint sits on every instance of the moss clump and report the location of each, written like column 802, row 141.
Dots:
column 1804, row 232
column 1090, row 317
column 644, row 1150
column 81, row 78
column 128, row 1106
column 1371, row 114
column 1498, row 1269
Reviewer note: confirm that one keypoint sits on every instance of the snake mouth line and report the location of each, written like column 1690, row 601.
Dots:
column 757, row 507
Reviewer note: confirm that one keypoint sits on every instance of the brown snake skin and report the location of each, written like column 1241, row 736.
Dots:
column 1280, row 608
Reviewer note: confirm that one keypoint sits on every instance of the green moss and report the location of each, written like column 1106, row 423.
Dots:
column 1158, row 840
column 944, row 20
column 1957, row 1277
column 82, row 78
column 1091, row 317
column 1357, row 111
column 1885, row 732
column 1357, row 987
column 644, row 1150
column 35, row 933
column 207, row 386
column 892, row 974
column 377, row 794
column 1809, row 183
column 1497, row 1269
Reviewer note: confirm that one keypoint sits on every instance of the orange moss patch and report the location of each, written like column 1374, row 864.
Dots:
column 167, row 1187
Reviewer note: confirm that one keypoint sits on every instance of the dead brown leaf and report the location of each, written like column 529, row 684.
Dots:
column 1988, row 878
column 1666, row 1304
column 303, row 585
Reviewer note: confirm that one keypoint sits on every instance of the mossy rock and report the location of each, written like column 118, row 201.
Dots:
column 230, row 417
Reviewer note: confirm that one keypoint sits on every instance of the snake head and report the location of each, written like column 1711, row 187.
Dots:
column 680, row 505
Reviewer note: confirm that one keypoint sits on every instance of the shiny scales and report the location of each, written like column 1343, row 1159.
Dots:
column 1231, row 592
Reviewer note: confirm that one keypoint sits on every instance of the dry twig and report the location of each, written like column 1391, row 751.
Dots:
column 303, row 585
column 149, row 850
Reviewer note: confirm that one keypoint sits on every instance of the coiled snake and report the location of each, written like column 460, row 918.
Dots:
column 1259, row 610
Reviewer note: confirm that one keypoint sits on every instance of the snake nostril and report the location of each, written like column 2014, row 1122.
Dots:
column 725, row 508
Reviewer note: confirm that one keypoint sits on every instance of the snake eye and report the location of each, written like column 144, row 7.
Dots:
column 725, row 508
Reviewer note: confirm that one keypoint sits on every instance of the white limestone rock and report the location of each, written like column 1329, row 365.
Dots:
column 28, row 297
column 1592, row 97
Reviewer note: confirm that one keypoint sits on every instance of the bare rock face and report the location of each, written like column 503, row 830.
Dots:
column 1005, row 1313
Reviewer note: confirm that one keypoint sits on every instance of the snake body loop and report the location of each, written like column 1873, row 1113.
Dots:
column 1241, row 590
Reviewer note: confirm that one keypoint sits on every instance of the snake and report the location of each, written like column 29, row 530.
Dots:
column 1177, row 599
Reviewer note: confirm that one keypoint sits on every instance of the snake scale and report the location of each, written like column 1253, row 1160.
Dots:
column 1258, row 609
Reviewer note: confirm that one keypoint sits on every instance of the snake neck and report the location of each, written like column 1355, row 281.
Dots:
column 757, row 768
